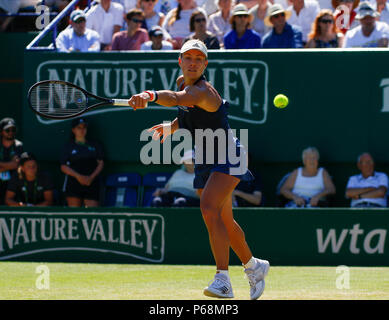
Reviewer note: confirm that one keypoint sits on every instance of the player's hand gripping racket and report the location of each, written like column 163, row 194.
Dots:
column 55, row 99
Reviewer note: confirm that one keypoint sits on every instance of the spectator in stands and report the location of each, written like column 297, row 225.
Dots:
column 156, row 40
column 56, row 5
column 308, row 186
column 134, row 36
column 198, row 25
column 219, row 22
column 259, row 13
column 29, row 186
column 382, row 7
column 344, row 13
column 179, row 190
column 210, row 6
column 248, row 193
column 78, row 38
column 367, row 189
column 128, row 4
column 241, row 36
column 82, row 162
column 106, row 18
column 304, row 13
column 283, row 35
column 370, row 33
column 10, row 152
column 324, row 32
column 152, row 18
column 176, row 22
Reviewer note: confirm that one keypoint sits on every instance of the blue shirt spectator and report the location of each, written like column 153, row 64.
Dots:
column 78, row 38
column 291, row 37
column 283, row 35
column 241, row 36
column 249, row 40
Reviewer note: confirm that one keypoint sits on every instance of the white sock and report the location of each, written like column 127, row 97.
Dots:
column 250, row 264
column 225, row 272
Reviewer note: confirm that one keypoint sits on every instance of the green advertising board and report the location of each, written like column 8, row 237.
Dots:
column 337, row 103
column 327, row 237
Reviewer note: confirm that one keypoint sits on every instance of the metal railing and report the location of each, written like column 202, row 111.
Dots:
column 52, row 26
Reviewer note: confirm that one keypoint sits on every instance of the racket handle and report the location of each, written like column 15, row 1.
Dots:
column 121, row 102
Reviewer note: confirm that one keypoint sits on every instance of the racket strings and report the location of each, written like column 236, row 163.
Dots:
column 57, row 99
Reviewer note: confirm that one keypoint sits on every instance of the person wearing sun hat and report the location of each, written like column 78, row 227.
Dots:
column 370, row 33
column 283, row 34
column 241, row 35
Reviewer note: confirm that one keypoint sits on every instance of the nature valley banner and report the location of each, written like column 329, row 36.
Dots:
column 132, row 236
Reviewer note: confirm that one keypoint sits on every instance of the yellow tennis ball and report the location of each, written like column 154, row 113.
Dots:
column 280, row 101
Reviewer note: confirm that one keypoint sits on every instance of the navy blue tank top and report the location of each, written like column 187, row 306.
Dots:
column 192, row 118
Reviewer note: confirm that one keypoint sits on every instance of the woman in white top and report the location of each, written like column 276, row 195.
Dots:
column 176, row 22
column 308, row 185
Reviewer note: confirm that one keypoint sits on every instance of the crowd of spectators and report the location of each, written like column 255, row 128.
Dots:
column 123, row 25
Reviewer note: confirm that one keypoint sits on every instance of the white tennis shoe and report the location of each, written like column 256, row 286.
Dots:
column 220, row 287
column 256, row 277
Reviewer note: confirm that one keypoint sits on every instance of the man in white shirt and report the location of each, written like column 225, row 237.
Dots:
column 367, row 189
column 370, row 33
column 304, row 13
column 78, row 38
column 106, row 18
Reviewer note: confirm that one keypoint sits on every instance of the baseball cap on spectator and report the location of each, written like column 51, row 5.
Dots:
column 366, row 9
column 155, row 31
column 78, row 121
column 274, row 10
column 77, row 15
column 26, row 156
column 7, row 123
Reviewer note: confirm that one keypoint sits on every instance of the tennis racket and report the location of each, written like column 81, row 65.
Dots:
column 55, row 99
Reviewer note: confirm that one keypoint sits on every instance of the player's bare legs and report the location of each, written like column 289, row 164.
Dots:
column 216, row 208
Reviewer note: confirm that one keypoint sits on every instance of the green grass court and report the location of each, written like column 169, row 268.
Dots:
column 179, row 282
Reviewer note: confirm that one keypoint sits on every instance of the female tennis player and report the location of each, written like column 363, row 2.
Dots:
column 201, row 107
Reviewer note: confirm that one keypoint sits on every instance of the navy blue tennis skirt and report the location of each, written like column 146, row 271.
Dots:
column 238, row 170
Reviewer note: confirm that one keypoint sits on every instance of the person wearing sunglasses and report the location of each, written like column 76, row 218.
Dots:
column 283, row 35
column 10, row 151
column 370, row 33
column 241, row 36
column 78, row 38
column 325, row 33
column 198, row 25
column 304, row 13
column 134, row 36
